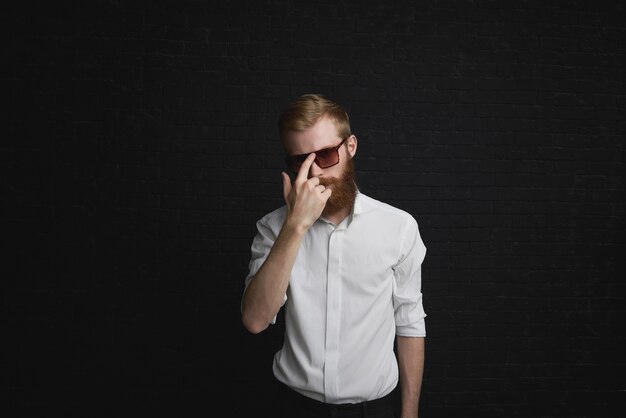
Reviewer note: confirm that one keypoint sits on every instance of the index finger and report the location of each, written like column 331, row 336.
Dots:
column 303, row 173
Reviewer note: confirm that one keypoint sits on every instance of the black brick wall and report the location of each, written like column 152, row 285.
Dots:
column 139, row 147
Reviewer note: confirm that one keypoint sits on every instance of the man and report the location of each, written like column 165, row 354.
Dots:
column 347, row 269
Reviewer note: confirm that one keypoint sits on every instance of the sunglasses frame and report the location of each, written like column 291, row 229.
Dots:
column 302, row 157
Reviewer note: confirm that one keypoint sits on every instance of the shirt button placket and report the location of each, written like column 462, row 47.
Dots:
column 333, row 314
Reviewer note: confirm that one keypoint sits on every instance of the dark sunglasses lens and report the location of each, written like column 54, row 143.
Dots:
column 327, row 158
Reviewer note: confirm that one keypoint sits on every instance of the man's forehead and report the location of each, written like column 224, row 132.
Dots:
column 322, row 134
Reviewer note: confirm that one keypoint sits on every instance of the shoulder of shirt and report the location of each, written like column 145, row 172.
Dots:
column 368, row 204
column 275, row 217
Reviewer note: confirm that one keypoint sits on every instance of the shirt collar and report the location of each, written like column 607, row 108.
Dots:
column 361, row 205
column 357, row 209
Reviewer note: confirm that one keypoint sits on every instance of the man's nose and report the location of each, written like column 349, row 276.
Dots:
column 315, row 170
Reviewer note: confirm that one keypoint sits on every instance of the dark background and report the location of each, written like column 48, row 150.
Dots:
column 139, row 148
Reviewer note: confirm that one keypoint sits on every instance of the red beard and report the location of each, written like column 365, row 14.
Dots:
column 344, row 190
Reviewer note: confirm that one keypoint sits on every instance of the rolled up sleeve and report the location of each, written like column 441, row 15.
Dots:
column 260, row 249
column 407, row 290
column 261, row 246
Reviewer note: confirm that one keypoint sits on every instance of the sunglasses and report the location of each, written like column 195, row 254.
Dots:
column 324, row 158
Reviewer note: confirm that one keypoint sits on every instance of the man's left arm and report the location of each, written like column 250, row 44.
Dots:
column 411, row 364
column 409, row 316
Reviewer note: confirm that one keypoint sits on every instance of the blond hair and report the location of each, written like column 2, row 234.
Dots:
column 306, row 110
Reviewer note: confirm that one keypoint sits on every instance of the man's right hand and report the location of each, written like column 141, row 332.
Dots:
column 306, row 197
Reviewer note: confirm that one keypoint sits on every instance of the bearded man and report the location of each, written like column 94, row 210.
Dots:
column 347, row 270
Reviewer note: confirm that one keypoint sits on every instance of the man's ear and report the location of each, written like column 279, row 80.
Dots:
column 352, row 145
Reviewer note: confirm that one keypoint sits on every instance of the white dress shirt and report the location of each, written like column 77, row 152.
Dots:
column 353, row 287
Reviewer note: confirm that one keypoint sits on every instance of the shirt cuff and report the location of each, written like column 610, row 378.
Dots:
column 417, row 329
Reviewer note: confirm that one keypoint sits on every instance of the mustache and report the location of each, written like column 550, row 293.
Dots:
column 327, row 181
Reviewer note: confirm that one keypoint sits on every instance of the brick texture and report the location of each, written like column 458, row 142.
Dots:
column 139, row 148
